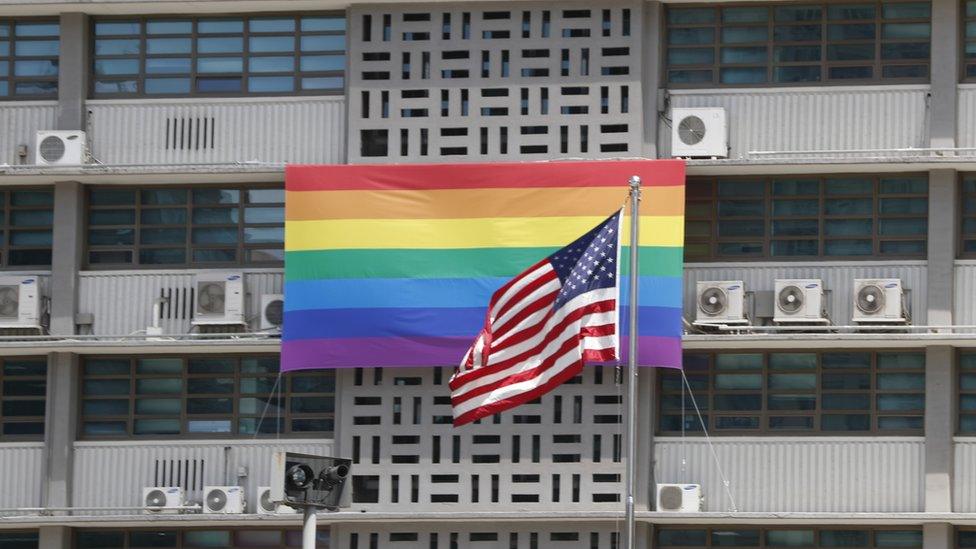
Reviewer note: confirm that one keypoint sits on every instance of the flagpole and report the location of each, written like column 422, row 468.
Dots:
column 635, row 196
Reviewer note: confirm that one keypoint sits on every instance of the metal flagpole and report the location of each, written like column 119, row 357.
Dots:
column 635, row 196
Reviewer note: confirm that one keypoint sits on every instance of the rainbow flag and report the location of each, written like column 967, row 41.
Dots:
column 394, row 265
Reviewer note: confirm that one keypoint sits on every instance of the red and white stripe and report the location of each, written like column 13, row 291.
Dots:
column 526, row 348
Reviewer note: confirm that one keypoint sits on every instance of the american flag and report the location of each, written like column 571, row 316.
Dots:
column 543, row 326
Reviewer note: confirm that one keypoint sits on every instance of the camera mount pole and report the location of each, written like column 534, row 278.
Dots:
column 308, row 527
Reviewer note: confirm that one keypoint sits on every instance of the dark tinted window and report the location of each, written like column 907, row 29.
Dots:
column 258, row 55
column 29, row 59
column 848, row 217
column 205, row 396
column 798, row 44
column 796, row 393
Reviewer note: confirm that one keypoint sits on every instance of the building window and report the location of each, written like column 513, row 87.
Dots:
column 29, row 59
column 26, row 218
column 968, row 232
column 848, row 537
column 795, row 393
column 969, row 44
column 19, row 540
column 220, row 56
column 23, row 387
column 966, row 538
column 844, row 217
column 790, row 44
column 967, row 393
column 203, row 396
column 177, row 539
column 179, row 226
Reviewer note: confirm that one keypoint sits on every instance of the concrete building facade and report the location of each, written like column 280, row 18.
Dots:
column 851, row 155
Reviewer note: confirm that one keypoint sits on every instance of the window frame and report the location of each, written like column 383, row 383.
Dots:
column 29, row 533
column 770, row 43
column 714, row 239
column 7, row 227
column 764, row 413
column 284, row 392
column 762, row 530
column 194, row 55
column 960, row 392
column 4, row 399
column 241, row 247
column 11, row 79
column 961, row 196
column 963, row 40
column 955, row 535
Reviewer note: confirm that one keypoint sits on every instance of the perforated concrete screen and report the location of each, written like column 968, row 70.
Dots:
column 494, row 81
column 562, row 452
column 553, row 535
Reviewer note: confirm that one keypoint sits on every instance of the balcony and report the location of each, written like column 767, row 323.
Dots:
column 838, row 278
column 21, row 474
column 19, row 123
column 778, row 123
column 218, row 131
column 800, row 474
column 121, row 302
column 113, row 474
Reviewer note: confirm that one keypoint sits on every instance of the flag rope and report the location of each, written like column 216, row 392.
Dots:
column 257, row 428
column 684, row 447
column 708, row 440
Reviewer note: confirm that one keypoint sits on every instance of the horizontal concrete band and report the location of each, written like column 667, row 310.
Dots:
column 355, row 517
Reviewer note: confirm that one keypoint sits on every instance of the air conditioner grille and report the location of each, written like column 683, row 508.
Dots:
column 52, row 148
column 211, row 297
column 790, row 299
column 870, row 299
column 216, row 500
column 691, row 130
column 274, row 312
column 713, row 301
column 9, row 301
column 671, row 498
column 156, row 498
column 266, row 502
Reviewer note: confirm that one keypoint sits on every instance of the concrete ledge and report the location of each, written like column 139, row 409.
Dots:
column 825, row 340
column 350, row 517
column 227, row 345
column 107, row 345
column 806, row 164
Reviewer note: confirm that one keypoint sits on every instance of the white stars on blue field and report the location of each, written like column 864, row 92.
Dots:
column 589, row 263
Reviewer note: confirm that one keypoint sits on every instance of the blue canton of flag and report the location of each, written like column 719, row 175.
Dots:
column 588, row 263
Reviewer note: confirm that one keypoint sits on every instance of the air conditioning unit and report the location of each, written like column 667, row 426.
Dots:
column 699, row 133
column 267, row 506
column 879, row 300
column 721, row 303
column 800, row 301
column 272, row 311
column 219, row 298
column 679, row 498
column 164, row 500
column 60, row 148
column 223, row 499
column 20, row 302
